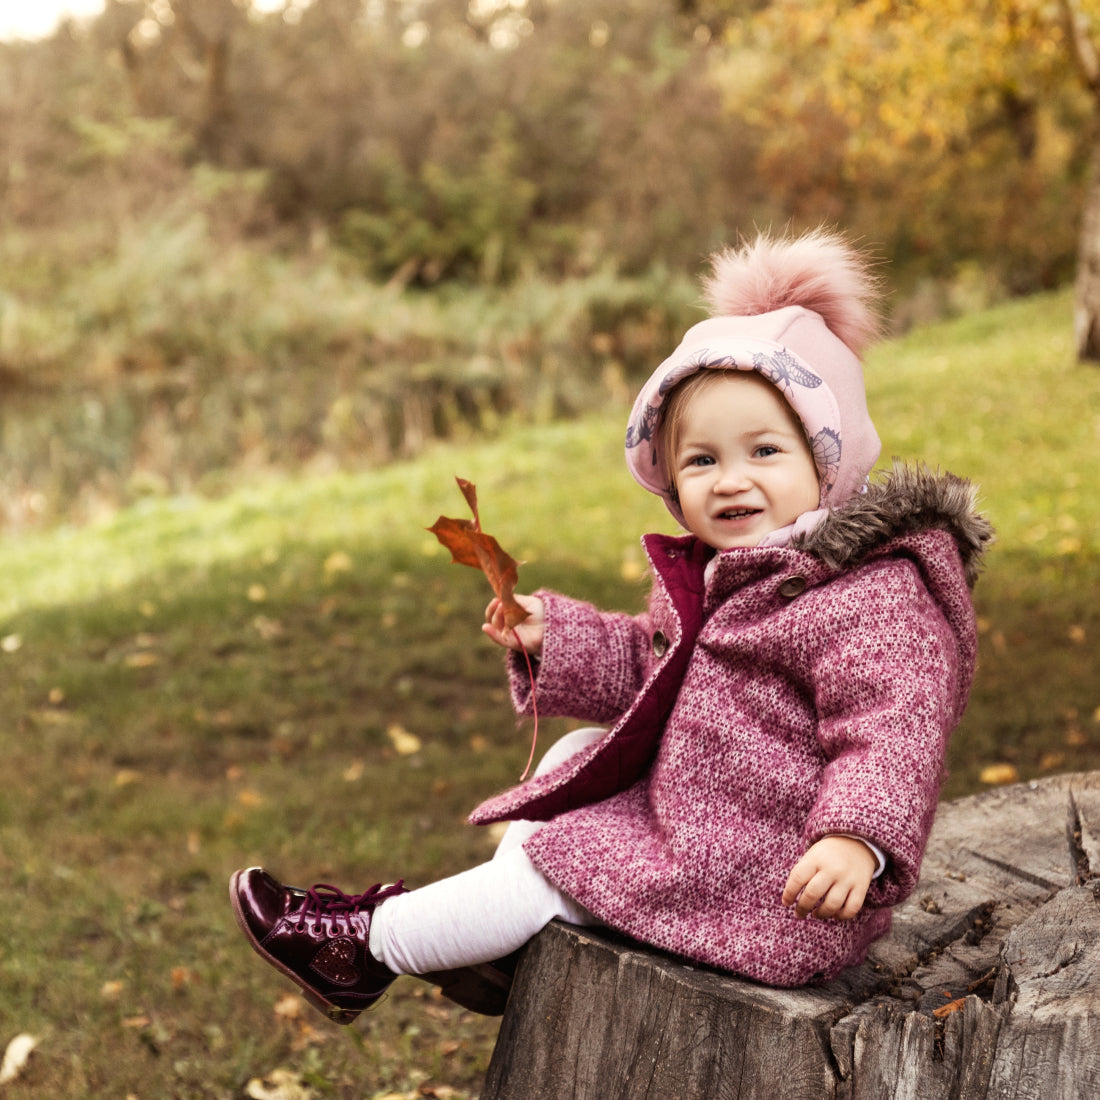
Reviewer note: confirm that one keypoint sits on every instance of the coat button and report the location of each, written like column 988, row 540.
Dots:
column 792, row 586
column 660, row 644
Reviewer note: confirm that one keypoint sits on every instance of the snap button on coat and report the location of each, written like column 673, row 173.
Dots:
column 792, row 586
column 660, row 644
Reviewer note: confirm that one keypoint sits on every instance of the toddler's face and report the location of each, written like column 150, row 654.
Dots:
column 743, row 468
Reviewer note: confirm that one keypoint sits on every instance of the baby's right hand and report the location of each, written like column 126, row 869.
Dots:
column 527, row 636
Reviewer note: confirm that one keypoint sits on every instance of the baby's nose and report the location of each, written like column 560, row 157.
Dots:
column 732, row 477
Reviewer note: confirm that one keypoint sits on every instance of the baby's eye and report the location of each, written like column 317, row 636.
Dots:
column 700, row 460
column 766, row 450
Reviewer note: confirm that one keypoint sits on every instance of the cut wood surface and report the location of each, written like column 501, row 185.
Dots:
column 988, row 985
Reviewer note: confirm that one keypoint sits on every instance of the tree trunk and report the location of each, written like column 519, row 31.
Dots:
column 987, row 986
column 1086, row 321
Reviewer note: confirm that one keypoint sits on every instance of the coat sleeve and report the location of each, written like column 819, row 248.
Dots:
column 887, row 681
column 592, row 665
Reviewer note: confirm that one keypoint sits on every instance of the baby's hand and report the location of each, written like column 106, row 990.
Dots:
column 831, row 879
column 527, row 636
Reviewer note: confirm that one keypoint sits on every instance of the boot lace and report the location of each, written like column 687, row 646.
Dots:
column 323, row 900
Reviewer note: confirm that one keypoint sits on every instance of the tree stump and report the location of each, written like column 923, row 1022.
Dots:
column 988, row 985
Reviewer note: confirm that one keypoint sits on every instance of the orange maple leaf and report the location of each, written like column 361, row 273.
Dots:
column 470, row 545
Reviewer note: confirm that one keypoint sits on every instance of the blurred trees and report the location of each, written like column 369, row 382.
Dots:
column 474, row 139
column 456, row 138
column 216, row 222
column 966, row 127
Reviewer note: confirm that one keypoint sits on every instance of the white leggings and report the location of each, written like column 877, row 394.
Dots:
column 484, row 913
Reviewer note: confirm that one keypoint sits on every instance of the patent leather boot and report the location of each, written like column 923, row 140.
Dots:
column 319, row 938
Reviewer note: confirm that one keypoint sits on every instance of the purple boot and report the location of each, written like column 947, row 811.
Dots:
column 320, row 939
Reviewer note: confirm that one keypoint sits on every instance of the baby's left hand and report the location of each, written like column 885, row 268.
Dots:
column 831, row 879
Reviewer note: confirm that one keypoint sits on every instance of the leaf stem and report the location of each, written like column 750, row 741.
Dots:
column 534, row 709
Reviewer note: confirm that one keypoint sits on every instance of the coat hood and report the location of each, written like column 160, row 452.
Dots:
column 905, row 501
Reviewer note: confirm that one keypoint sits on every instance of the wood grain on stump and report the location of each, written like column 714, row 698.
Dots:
column 987, row 986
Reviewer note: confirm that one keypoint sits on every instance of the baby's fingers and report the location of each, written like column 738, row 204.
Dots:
column 804, row 889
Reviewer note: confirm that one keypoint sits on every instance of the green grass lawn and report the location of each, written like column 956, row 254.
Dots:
column 198, row 685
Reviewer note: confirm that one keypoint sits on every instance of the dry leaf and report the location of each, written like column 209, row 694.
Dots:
column 288, row 1006
column 181, row 976
column 15, row 1057
column 145, row 659
column 404, row 743
column 111, row 991
column 999, row 774
column 268, row 629
column 124, row 777
column 470, row 545
column 947, row 1009
column 279, row 1084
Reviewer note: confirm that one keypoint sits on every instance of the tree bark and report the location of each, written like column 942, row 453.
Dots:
column 987, row 986
column 1086, row 322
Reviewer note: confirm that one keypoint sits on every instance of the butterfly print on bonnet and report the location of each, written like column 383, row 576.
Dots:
column 781, row 368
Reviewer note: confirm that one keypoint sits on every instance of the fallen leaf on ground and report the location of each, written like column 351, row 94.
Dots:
column 279, row 1084
column 144, row 659
column 16, row 1055
column 181, row 976
column 404, row 743
column 268, row 629
column 999, row 774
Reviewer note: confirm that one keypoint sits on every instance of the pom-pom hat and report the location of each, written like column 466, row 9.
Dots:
column 799, row 312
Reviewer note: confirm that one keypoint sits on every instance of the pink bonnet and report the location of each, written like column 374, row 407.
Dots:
column 799, row 312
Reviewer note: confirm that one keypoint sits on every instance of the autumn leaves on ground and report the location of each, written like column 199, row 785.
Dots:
column 293, row 674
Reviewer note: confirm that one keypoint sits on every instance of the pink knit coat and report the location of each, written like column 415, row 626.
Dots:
column 787, row 694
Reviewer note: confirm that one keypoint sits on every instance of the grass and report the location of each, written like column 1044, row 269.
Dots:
column 192, row 685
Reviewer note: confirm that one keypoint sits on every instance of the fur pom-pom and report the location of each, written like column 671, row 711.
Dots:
column 820, row 271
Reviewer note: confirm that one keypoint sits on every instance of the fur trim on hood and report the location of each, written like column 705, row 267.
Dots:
column 904, row 501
